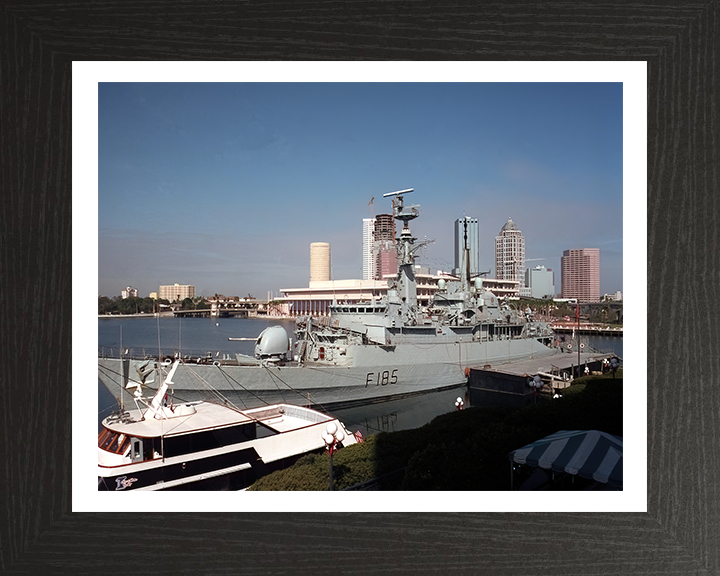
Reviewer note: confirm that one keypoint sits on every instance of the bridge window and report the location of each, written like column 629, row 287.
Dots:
column 113, row 442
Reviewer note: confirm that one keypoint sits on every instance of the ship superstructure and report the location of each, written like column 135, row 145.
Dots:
column 461, row 312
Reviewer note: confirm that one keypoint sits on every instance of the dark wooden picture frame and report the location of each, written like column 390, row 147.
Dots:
column 39, row 533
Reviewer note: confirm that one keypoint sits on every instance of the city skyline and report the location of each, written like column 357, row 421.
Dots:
column 226, row 186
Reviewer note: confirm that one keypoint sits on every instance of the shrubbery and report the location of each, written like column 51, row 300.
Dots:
column 464, row 450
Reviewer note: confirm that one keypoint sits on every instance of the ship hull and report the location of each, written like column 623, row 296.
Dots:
column 375, row 373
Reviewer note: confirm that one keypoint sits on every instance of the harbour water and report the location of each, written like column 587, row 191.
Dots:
column 195, row 337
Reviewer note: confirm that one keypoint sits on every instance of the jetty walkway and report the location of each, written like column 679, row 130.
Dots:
column 567, row 327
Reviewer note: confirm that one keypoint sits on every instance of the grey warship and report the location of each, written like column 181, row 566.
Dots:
column 363, row 352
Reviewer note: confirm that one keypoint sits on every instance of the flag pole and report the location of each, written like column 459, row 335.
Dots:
column 577, row 318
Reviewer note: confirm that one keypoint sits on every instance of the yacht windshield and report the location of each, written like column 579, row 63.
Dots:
column 113, row 442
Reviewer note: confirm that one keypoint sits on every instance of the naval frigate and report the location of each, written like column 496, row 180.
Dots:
column 363, row 352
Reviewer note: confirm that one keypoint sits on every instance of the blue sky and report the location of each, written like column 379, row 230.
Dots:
column 225, row 186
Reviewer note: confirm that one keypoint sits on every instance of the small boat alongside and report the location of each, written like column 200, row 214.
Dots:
column 203, row 445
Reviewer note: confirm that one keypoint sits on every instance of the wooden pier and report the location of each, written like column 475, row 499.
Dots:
column 603, row 329
column 556, row 371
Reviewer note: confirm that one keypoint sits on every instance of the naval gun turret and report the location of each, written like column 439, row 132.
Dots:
column 272, row 344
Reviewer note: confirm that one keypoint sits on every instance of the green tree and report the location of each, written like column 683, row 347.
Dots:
column 202, row 304
column 107, row 305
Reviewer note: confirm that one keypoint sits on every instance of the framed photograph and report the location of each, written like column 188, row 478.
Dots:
column 53, row 522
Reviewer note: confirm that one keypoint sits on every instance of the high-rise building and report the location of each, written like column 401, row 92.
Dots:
column 319, row 262
column 368, row 263
column 176, row 292
column 510, row 253
column 129, row 292
column 581, row 274
column 473, row 242
column 387, row 259
column 540, row 282
column 379, row 247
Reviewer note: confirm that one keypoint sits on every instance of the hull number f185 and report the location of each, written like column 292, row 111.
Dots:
column 381, row 378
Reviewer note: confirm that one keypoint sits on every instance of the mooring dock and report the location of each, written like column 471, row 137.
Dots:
column 556, row 371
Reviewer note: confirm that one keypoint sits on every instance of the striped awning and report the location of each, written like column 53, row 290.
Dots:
column 589, row 454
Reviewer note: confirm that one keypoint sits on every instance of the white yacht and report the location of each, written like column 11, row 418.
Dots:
column 203, row 445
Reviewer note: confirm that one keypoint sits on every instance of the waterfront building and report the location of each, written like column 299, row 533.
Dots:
column 384, row 246
column 129, row 292
column 615, row 297
column 580, row 270
column 368, row 249
column 525, row 292
column 503, row 288
column 316, row 299
column 176, row 292
column 540, row 282
column 319, row 262
column 510, row 253
column 473, row 239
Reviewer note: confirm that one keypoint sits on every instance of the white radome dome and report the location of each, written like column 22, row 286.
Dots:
column 273, row 341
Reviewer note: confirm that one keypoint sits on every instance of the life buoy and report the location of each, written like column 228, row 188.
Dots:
column 321, row 353
column 582, row 345
column 569, row 346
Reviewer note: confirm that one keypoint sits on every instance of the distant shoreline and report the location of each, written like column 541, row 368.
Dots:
column 146, row 315
column 172, row 315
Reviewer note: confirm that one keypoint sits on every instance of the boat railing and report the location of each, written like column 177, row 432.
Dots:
column 187, row 355
column 268, row 413
column 304, row 413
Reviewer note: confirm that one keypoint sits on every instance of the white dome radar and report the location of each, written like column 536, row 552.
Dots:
column 272, row 341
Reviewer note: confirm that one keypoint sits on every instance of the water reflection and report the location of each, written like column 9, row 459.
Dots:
column 403, row 414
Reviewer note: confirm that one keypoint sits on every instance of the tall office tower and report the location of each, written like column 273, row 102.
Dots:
column 384, row 246
column 319, row 262
column 368, row 263
column 473, row 240
column 510, row 253
column 581, row 274
column 541, row 282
